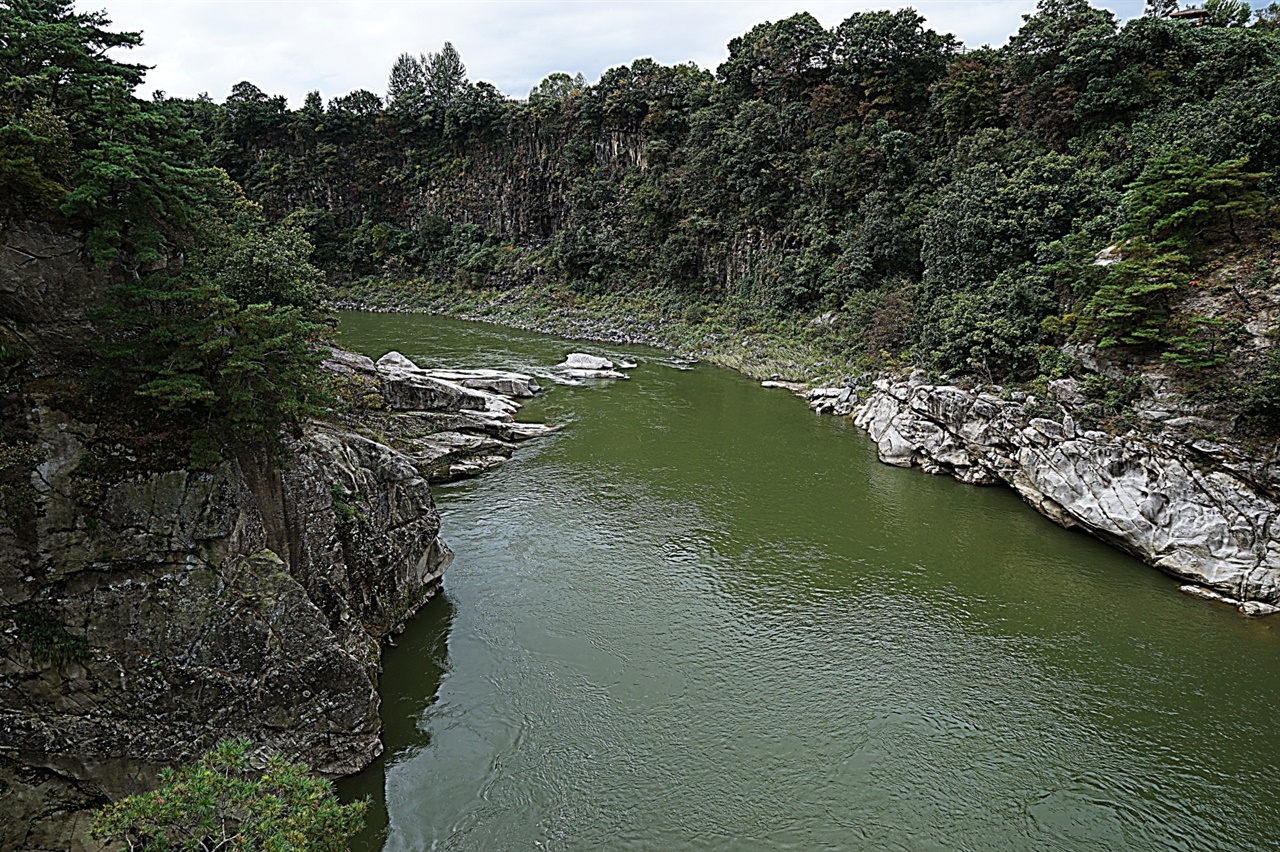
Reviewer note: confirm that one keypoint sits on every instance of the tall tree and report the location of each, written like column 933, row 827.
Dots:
column 891, row 61
column 778, row 61
column 406, row 86
column 444, row 75
column 51, row 54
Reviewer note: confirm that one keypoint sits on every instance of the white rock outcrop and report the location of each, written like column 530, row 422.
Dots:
column 494, row 381
column 582, row 361
column 450, row 423
column 408, row 387
column 579, row 365
column 1190, row 515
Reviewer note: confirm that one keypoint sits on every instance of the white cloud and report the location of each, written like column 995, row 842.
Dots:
column 290, row 47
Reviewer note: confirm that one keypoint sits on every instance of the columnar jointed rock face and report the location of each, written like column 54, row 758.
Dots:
column 1197, row 518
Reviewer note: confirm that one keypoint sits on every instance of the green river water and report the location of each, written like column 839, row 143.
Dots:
column 701, row 617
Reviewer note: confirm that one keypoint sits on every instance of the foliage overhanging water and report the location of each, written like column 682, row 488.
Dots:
column 700, row 617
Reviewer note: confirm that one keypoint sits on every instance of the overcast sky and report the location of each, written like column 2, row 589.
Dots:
column 290, row 47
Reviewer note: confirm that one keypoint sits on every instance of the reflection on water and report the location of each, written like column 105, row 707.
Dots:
column 411, row 676
column 702, row 618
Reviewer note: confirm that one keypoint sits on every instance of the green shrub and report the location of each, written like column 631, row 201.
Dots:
column 47, row 638
column 223, row 802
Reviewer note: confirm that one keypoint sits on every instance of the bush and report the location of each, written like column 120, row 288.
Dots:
column 222, row 802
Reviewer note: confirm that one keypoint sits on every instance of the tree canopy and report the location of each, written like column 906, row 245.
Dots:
column 210, row 331
column 875, row 168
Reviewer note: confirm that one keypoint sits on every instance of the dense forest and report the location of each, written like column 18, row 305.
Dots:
column 206, row 339
column 947, row 204
column 982, row 212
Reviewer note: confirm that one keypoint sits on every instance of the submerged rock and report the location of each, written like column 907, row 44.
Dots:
column 593, row 374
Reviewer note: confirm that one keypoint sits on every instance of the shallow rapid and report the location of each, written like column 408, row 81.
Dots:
column 701, row 617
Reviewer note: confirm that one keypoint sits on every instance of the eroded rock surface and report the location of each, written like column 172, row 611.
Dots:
column 240, row 601
column 1198, row 514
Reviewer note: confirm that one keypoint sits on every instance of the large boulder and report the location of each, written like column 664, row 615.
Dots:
column 582, row 361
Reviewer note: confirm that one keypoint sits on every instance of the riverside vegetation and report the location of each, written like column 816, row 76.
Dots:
column 926, row 204
column 1089, row 201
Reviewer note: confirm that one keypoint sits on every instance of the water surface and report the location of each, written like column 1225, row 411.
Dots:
column 701, row 617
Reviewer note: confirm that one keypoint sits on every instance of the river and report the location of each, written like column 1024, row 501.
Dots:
column 701, row 617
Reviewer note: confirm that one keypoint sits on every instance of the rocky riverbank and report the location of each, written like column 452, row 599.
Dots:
column 1199, row 509
column 1202, row 511
column 150, row 613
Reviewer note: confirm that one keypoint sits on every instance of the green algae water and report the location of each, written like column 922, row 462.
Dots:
column 701, row 617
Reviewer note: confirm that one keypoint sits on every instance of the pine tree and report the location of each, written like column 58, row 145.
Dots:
column 444, row 74
column 407, row 87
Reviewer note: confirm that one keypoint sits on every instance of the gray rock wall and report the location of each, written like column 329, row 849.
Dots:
column 148, row 612
column 1200, row 515
column 190, row 628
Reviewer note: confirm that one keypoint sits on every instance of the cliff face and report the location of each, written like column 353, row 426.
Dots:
column 179, row 627
column 148, row 612
column 1193, row 509
column 187, row 628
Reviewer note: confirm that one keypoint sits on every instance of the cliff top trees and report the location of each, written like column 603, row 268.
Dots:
column 777, row 61
column 54, row 71
column 555, row 88
column 210, row 333
column 427, row 84
column 1048, row 66
column 444, row 74
column 870, row 163
column 1228, row 13
column 890, row 60
column 70, row 124
column 406, row 85
column 52, row 55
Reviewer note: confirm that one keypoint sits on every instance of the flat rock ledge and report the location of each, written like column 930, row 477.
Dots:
column 1204, row 522
column 448, row 424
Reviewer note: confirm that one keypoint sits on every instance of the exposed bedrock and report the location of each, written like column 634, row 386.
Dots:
column 240, row 601
column 1201, row 516
column 149, row 609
